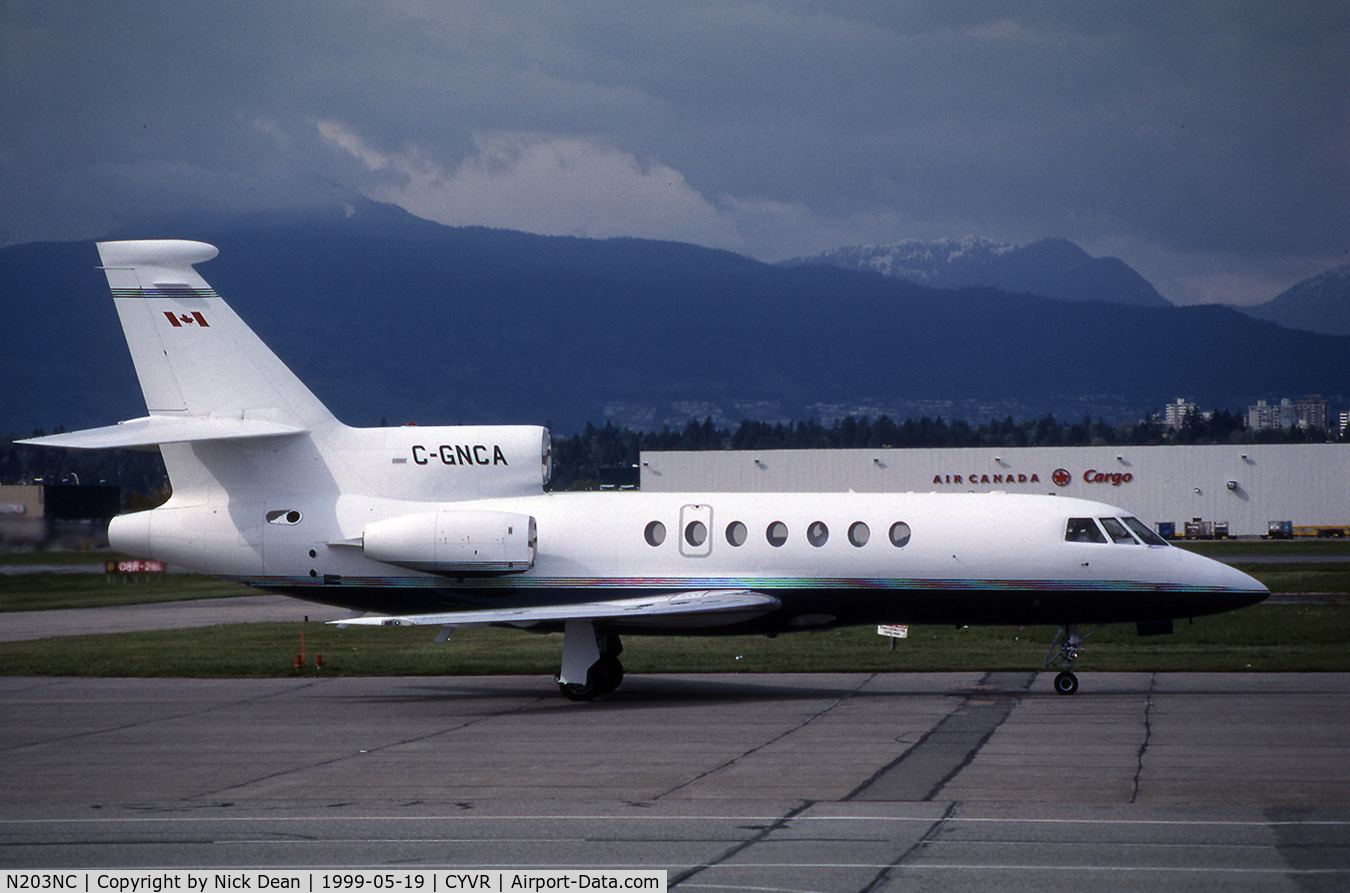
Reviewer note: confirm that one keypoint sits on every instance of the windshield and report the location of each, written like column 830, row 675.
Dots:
column 1089, row 530
column 1117, row 532
column 1144, row 532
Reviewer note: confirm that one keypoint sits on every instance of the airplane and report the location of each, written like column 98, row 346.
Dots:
column 452, row 527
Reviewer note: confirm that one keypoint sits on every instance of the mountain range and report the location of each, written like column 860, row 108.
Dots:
column 1058, row 268
column 389, row 318
column 1055, row 268
column 1319, row 303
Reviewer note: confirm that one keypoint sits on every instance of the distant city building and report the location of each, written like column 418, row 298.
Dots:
column 1345, row 423
column 1310, row 412
column 1174, row 414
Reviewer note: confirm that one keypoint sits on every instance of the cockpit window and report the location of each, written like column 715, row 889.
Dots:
column 1144, row 532
column 1083, row 530
column 1117, row 532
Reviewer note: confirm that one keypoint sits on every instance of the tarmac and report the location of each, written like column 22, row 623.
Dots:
column 783, row 782
column 780, row 782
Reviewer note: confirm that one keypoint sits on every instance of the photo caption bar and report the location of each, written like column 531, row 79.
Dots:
column 446, row 880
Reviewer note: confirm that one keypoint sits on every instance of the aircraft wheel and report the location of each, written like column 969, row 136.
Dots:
column 606, row 675
column 1066, row 683
column 576, row 691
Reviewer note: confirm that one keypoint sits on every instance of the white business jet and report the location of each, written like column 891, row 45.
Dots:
column 451, row 526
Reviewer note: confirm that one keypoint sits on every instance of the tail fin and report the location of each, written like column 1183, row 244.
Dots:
column 204, row 373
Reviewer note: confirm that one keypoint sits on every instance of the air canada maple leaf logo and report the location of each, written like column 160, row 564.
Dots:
column 1061, row 477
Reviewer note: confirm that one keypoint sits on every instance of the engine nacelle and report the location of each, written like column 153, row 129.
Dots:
column 464, row 543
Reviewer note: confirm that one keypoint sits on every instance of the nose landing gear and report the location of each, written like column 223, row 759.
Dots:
column 1063, row 652
column 1066, row 683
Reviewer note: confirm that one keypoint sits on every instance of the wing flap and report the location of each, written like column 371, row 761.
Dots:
column 714, row 606
column 157, row 429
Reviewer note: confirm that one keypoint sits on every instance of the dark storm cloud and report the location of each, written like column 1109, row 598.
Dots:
column 1203, row 143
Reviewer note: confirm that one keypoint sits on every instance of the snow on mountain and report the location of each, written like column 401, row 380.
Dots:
column 1319, row 303
column 913, row 259
column 1055, row 268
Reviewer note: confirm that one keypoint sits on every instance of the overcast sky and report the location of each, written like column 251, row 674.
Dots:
column 1205, row 144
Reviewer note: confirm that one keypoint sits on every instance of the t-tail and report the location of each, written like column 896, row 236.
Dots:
column 204, row 374
column 243, row 438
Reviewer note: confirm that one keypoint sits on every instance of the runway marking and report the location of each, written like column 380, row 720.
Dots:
column 797, row 866
column 736, row 849
column 930, row 843
column 744, row 887
column 794, row 866
column 460, row 816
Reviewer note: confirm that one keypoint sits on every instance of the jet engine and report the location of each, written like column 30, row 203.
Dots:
column 462, row 543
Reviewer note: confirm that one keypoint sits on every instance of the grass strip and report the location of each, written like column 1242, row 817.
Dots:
column 1265, row 638
column 53, row 592
column 1272, row 548
column 61, row 557
column 1301, row 578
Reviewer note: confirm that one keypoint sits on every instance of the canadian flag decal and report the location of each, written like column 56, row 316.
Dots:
column 178, row 320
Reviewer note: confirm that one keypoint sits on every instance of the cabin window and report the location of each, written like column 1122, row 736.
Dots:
column 695, row 533
column 1144, row 532
column 1117, row 532
column 859, row 534
column 655, row 534
column 817, row 533
column 1083, row 530
column 777, row 534
column 736, row 533
column 899, row 534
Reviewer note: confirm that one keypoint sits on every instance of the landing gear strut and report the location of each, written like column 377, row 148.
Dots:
column 1063, row 652
column 590, row 665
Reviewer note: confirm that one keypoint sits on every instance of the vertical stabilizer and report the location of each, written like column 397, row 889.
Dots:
column 194, row 357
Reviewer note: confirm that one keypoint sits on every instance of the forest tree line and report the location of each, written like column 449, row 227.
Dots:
column 582, row 460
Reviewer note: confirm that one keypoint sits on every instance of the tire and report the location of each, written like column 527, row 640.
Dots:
column 575, row 691
column 1066, row 683
column 606, row 675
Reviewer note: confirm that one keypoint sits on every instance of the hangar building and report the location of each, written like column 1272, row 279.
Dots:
column 36, row 513
column 1249, row 486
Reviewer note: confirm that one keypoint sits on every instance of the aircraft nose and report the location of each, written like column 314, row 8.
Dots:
column 1236, row 588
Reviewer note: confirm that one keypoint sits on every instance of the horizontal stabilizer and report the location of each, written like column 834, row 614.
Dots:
column 740, row 602
column 158, row 429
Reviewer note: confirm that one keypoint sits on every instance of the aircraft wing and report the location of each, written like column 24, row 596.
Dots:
column 713, row 606
column 157, row 429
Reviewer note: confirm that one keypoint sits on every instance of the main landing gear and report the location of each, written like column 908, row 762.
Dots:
column 590, row 665
column 1063, row 652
